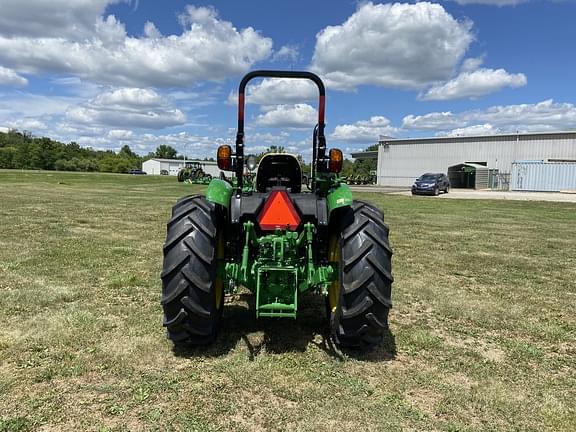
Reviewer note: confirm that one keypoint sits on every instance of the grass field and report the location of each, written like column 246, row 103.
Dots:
column 483, row 325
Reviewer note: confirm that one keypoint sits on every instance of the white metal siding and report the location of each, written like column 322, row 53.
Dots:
column 151, row 167
column 172, row 167
column 400, row 163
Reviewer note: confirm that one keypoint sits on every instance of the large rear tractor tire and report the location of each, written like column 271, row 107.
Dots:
column 192, row 293
column 359, row 301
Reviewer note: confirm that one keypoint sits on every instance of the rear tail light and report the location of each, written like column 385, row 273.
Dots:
column 224, row 157
column 335, row 160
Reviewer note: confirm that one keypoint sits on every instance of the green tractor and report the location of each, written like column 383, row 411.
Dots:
column 193, row 173
column 278, row 241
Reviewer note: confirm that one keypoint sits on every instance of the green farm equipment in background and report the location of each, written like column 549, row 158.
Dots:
column 194, row 173
column 266, row 233
column 361, row 179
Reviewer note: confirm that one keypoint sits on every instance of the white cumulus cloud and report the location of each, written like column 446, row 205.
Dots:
column 8, row 77
column 475, row 84
column 392, row 45
column 207, row 49
column 23, row 110
column 541, row 116
column 288, row 116
column 432, row 121
column 71, row 19
column 130, row 97
column 28, row 124
column 364, row 131
column 278, row 91
column 545, row 115
column 120, row 134
column 151, row 31
column 471, row 64
column 127, row 108
column 287, row 52
column 480, row 129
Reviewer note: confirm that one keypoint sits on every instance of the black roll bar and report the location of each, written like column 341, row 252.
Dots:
column 319, row 150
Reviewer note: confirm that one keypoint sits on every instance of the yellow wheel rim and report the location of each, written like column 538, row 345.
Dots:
column 219, row 283
column 334, row 288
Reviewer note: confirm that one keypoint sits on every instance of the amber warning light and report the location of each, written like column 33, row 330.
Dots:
column 335, row 163
column 224, row 157
column 278, row 212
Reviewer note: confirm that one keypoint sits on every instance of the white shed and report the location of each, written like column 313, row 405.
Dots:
column 172, row 166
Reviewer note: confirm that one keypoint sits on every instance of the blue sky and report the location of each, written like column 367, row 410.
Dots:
column 106, row 73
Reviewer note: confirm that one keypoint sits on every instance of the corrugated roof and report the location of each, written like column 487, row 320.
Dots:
column 477, row 166
column 475, row 138
column 365, row 155
column 471, row 138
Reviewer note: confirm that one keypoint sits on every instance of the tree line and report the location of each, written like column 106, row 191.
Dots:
column 21, row 150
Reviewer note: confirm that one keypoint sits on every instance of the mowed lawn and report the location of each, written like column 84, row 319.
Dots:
column 483, row 326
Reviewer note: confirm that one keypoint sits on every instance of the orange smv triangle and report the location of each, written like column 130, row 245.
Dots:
column 278, row 212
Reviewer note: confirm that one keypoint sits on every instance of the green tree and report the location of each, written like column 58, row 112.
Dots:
column 373, row 147
column 150, row 155
column 22, row 157
column 7, row 157
column 116, row 164
column 164, row 151
column 347, row 168
column 365, row 166
column 23, row 151
column 276, row 149
column 127, row 153
column 48, row 150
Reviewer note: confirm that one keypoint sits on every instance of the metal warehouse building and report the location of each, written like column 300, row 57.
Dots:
column 154, row 166
column 528, row 161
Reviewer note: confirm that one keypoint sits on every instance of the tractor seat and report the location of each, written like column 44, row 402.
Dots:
column 279, row 170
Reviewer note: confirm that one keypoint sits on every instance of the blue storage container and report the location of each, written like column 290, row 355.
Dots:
column 543, row 176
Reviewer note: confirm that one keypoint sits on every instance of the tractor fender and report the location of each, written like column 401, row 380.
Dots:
column 338, row 197
column 219, row 192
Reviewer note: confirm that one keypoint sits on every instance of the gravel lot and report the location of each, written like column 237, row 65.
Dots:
column 479, row 194
column 500, row 195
